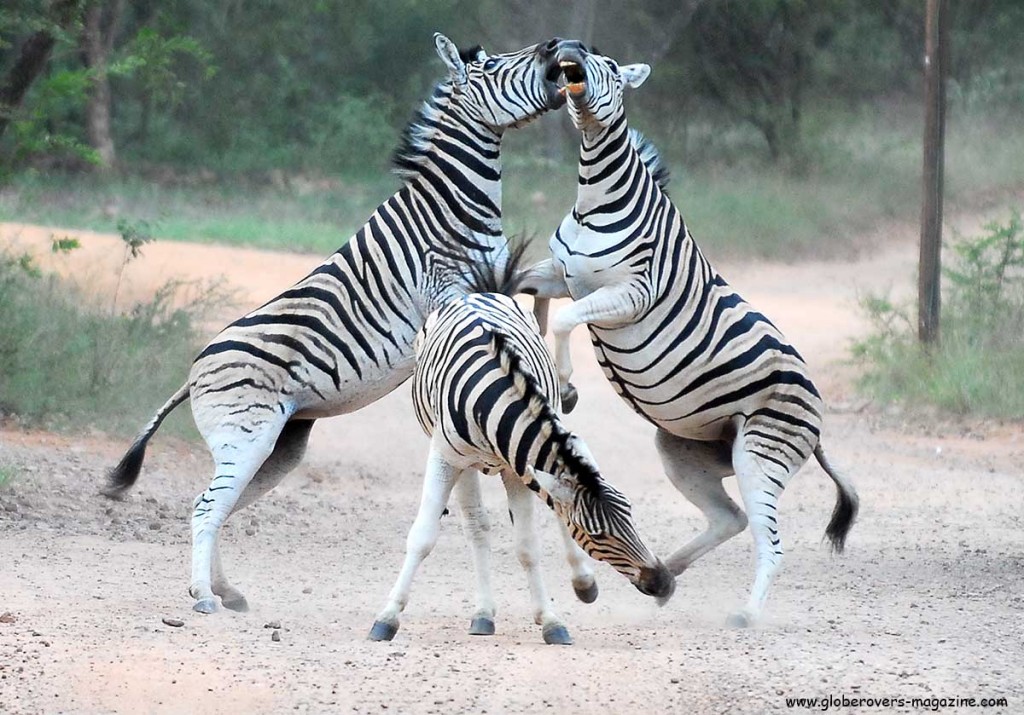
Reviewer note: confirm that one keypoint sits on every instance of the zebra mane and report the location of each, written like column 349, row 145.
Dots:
column 471, row 54
column 495, row 272
column 565, row 449
column 415, row 141
column 650, row 156
column 414, row 144
column 408, row 156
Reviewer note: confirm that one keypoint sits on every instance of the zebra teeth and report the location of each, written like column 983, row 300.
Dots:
column 575, row 88
column 572, row 72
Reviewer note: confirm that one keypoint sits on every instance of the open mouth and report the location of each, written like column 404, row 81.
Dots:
column 574, row 76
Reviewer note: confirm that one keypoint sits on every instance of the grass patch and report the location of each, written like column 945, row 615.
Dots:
column 859, row 170
column 7, row 474
column 979, row 366
column 298, row 214
column 66, row 363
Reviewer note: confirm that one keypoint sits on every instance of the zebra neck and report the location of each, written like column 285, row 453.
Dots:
column 452, row 163
column 606, row 159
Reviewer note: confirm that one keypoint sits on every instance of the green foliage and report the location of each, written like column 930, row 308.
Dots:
column 48, row 125
column 135, row 235
column 64, row 244
column 66, row 363
column 979, row 365
column 152, row 61
column 754, row 57
column 7, row 474
column 351, row 136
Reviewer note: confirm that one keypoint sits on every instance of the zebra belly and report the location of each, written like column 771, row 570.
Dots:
column 686, row 399
column 292, row 373
column 355, row 393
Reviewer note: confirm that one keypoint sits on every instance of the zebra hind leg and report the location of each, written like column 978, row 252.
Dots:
column 237, row 456
column 520, row 504
column 438, row 482
column 477, row 526
column 762, row 479
column 289, row 449
column 697, row 469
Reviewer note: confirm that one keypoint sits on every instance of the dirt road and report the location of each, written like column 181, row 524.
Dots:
column 928, row 601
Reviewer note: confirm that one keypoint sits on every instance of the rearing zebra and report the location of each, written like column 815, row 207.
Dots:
column 486, row 393
column 342, row 337
column 726, row 390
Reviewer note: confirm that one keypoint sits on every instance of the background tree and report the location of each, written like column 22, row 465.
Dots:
column 754, row 57
column 34, row 52
column 102, row 22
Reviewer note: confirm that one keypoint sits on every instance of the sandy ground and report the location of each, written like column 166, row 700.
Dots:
column 928, row 601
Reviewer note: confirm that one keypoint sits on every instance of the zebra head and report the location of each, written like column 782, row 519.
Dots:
column 594, row 85
column 503, row 90
column 600, row 520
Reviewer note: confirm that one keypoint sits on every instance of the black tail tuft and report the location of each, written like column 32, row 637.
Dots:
column 122, row 477
column 847, row 505
column 843, row 516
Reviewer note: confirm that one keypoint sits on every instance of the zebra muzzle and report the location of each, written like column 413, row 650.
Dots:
column 657, row 582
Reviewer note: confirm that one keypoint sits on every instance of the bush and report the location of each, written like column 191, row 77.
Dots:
column 67, row 362
column 978, row 368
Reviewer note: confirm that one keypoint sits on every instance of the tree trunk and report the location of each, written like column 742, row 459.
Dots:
column 32, row 59
column 98, row 43
column 936, row 67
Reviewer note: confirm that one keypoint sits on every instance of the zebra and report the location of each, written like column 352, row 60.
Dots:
column 342, row 337
column 486, row 393
column 726, row 391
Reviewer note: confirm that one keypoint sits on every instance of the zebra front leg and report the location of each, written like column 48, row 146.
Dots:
column 477, row 526
column 583, row 581
column 696, row 469
column 607, row 307
column 544, row 281
column 520, row 504
column 438, row 482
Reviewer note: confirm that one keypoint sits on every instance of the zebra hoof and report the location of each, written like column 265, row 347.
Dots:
column 238, row 605
column 569, row 398
column 557, row 635
column 205, row 605
column 740, row 619
column 587, row 594
column 481, row 626
column 383, row 631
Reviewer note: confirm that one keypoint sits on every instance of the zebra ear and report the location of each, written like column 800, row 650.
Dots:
column 449, row 54
column 635, row 75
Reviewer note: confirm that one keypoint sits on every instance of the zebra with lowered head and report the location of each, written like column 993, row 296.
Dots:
column 486, row 393
column 342, row 337
column 727, row 392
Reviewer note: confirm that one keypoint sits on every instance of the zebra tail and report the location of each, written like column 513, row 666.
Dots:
column 847, row 504
column 122, row 477
column 568, row 455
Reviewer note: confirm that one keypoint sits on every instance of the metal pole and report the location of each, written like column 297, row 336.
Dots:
column 936, row 66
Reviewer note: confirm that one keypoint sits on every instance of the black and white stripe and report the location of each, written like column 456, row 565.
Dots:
column 342, row 337
column 726, row 390
column 486, row 392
